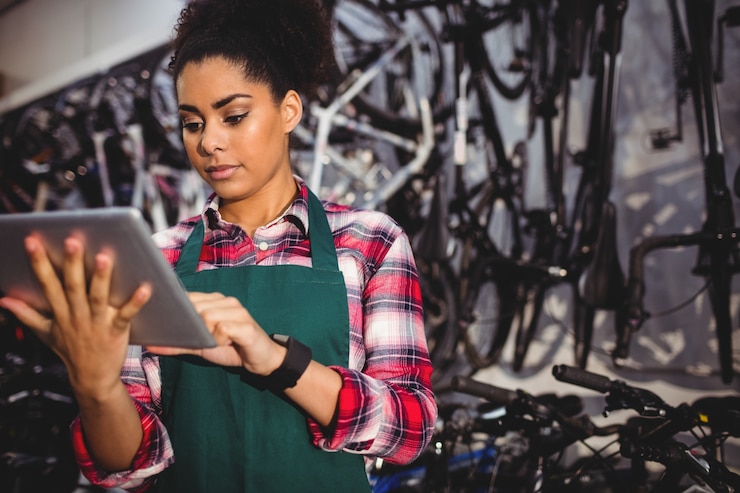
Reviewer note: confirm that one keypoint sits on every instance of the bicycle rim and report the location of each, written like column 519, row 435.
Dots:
column 509, row 50
column 440, row 325
column 489, row 312
column 363, row 33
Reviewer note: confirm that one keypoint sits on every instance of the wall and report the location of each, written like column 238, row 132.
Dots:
column 46, row 44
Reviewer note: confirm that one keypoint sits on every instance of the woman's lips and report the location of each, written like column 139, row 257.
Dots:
column 221, row 172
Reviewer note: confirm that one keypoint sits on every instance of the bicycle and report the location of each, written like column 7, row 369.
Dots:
column 403, row 160
column 654, row 434
column 493, row 445
column 580, row 250
column 370, row 128
column 718, row 258
column 513, row 441
column 458, row 232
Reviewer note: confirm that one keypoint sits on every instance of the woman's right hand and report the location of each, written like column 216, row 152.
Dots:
column 88, row 334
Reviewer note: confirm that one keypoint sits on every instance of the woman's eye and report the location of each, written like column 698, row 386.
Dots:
column 234, row 119
column 191, row 126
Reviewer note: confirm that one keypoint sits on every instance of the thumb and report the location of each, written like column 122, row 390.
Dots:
column 171, row 351
column 28, row 316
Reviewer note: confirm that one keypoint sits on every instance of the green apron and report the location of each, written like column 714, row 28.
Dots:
column 229, row 434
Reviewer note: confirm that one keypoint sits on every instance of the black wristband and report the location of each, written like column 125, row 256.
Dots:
column 294, row 365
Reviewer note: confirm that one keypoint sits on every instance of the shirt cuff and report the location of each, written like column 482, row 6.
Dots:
column 144, row 459
column 350, row 403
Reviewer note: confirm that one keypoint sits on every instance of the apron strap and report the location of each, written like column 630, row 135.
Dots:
column 190, row 254
column 323, row 251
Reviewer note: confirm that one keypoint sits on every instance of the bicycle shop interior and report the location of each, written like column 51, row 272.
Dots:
column 49, row 45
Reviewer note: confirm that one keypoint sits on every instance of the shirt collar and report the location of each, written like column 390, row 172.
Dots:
column 296, row 213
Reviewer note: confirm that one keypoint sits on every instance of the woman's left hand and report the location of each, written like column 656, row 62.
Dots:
column 240, row 341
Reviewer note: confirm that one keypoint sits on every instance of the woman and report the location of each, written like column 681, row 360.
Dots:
column 315, row 307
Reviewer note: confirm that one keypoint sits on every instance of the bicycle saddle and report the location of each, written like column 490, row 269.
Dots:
column 602, row 283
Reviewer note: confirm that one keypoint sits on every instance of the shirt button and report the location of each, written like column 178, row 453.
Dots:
column 263, row 245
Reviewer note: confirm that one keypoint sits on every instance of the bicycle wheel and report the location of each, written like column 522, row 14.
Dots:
column 440, row 324
column 509, row 47
column 362, row 34
column 488, row 312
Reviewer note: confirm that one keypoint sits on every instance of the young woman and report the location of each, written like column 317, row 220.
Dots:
column 321, row 359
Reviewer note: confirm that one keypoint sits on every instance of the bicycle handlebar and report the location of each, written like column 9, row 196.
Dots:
column 620, row 395
column 677, row 456
column 582, row 378
column 491, row 393
column 547, row 405
column 533, row 414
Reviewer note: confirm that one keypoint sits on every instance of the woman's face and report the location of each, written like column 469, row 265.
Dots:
column 235, row 134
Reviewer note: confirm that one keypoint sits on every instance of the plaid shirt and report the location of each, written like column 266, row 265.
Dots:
column 386, row 405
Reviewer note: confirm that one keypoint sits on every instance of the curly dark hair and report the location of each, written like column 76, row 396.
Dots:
column 285, row 44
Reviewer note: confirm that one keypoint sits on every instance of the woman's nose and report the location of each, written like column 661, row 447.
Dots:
column 212, row 139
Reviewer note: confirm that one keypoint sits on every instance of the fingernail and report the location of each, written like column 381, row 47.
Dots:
column 70, row 246
column 29, row 244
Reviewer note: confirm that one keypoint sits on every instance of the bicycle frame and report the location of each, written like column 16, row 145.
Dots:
column 581, row 249
column 330, row 116
column 718, row 258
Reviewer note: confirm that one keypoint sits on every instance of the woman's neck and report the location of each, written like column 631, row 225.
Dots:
column 260, row 209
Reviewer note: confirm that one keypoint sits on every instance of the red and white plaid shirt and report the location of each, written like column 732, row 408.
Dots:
column 386, row 405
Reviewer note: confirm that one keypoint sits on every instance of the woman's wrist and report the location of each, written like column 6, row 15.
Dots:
column 297, row 358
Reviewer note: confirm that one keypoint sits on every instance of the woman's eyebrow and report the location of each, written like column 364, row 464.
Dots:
column 224, row 101
column 218, row 104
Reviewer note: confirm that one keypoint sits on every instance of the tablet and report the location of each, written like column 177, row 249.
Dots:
column 167, row 319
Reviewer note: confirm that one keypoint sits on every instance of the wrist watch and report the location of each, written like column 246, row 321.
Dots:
column 294, row 365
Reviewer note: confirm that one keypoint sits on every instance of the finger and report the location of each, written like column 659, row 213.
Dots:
column 198, row 297
column 217, row 303
column 171, row 351
column 45, row 274
column 125, row 314
column 73, row 269
column 219, row 317
column 29, row 317
column 100, row 284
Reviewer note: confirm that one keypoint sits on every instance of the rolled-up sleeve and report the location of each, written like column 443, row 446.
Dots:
column 141, row 377
column 386, row 405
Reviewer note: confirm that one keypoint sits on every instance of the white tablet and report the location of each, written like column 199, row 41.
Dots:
column 168, row 318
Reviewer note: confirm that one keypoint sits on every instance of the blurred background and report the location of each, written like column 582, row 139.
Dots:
column 47, row 46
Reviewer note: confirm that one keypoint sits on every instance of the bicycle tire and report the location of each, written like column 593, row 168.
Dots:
column 488, row 313
column 494, row 298
column 362, row 33
column 436, row 280
column 509, row 48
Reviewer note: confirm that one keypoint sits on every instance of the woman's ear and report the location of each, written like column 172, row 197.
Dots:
column 292, row 108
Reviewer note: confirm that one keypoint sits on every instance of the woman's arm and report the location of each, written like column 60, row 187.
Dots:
column 91, row 338
column 386, row 406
